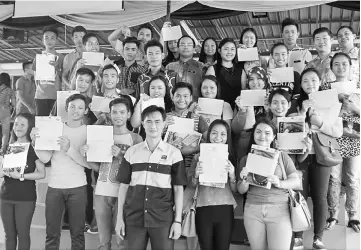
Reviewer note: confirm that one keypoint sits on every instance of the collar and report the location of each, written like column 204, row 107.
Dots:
column 329, row 56
column 134, row 64
column 161, row 145
column 161, row 70
column 184, row 113
column 190, row 61
column 353, row 50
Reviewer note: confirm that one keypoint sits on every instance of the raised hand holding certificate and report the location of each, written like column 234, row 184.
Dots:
column 246, row 55
column 253, row 97
column 211, row 109
column 213, row 157
column 261, row 163
column 171, row 33
column 100, row 141
column 61, row 97
column 291, row 133
column 100, row 104
column 159, row 102
column 17, row 157
column 50, row 129
column 282, row 75
column 93, row 58
column 43, row 70
column 182, row 133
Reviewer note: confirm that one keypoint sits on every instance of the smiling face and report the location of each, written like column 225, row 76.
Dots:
column 280, row 56
column 310, row 82
column 154, row 56
column 110, row 78
column 255, row 81
column 323, row 42
column 228, row 52
column 209, row 89
column 119, row 114
column 21, row 126
column 153, row 125
column 210, row 47
column 249, row 39
column 341, row 66
column 157, row 89
column 218, row 134
column 182, row 98
column 279, row 105
column 76, row 110
column 144, row 35
column 186, row 47
column 263, row 135
column 50, row 39
column 83, row 82
column 78, row 38
column 92, row 45
column 345, row 37
column 290, row 34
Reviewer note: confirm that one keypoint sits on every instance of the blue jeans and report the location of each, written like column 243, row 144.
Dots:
column 268, row 226
column 106, row 209
column 74, row 200
column 16, row 217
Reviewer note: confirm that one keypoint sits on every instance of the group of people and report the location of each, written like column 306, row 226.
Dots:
column 140, row 194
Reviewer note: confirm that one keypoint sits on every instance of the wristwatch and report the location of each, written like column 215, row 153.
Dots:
column 22, row 177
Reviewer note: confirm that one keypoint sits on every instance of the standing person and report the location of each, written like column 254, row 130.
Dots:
column 18, row 191
column 208, row 54
column 188, row 69
column 266, row 214
column 67, row 183
column 7, row 105
column 172, row 52
column 107, row 187
column 77, row 34
column 322, row 38
column 349, row 169
column 45, row 94
column 346, row 37
column 298, row 57
column 25, row 90
column 151, row 177
column 215, row 206
column 319, row 175
column 280, row 55
column 228, row 71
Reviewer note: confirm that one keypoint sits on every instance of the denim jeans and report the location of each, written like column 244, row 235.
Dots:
column 350, row 171
column 16, row 217
column 106, row 209
column 74, row 200
column 268, row 226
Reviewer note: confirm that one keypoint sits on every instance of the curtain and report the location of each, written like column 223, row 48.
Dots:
column 6, row 11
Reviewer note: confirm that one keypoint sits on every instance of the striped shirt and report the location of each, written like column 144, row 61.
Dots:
column 7, row 95
column 151, row 175
column 128, row 77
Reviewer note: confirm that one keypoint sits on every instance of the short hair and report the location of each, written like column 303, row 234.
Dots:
column 340, row 54
column 321, row 30
column 277, row 45
column 76, row 97
column 288, row 22
column 26, row 64
column 51, row 29
column 78, row 29
column 186, row 36
column 85, row 71
column 5, row 79
column 120, row 101
column 347, row 27
column 152, row 109
column 131, row 39
column 244, row 32
column 145, row 26
column 180, row 85
column 153, row 43
column 89, row 35
column 108, row 66
column 281, row 92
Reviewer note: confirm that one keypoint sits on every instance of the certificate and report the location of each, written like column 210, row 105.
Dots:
column 282, row 75
column 100, row 141
column 247, row 55
column 324, row 98
column 213, row 157
column 211, row 109
column 182, row 125
column 100, row 104
column 61, row 97
column 182, row 133
column 291, row 133
column 43, row 70
column 18, row 156
column 253, row 97
column 330, row 114
column 159, row 102
column 93, row 58
column 345, row 87
column 50, row 129
column 171, row 33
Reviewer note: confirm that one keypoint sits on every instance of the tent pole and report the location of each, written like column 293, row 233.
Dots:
column 167, row 19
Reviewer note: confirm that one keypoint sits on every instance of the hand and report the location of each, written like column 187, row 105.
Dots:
column 238, row 103
column 242, row 46
column 55, row 62
column 169, row 120
column 306, row 104
column 145, row 97
column 81, row 62
column 308, row 143
column 14, row 174
column 315, row 119
column 34, row 134
column 115, row 151
column 274, row 180
column 31, row 110
column 84, row 150
column 64, row 143
column 197, row 109
column 175, row 231
column 187, row 150
column 106, row 62
column 167, row 24
column 244, row 174
column 351, row 104
column 120, row 231
column 199, row 169
column 125, row 30
column 230, row 170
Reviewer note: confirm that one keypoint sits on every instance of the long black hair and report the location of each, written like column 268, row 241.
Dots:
column 31, row 124
column 303, row 95
column 244, row 32
column 170, row 56
column 262, row 120
column 203, row 56
column 5, row 80
column 216, row 82
column 167, row 98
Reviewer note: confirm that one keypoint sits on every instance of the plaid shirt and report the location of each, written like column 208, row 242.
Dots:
column 128, row 77
column 323, row 68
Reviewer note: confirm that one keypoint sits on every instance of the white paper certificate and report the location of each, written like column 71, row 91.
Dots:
column 100, row 104
column 324, row 98
column 61, row 97
column 211, row 106
column 43, row 70
column 282, row 75
column 345, row 87
column 18, row 156
column 246, row 55
column 93, row 58
column 50, row 129
column 100, row 141
column 253, row 97
column 291, row 133
column 171, row 33
column 159, row 102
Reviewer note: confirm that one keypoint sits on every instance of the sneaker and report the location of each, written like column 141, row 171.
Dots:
column 318, row 245
column 298, row 244
column 93, row 230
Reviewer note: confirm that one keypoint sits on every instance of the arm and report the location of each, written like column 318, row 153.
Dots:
column 123, row 189
column 44, row 155
column 136, row 120
column 242, row 185
column 94, row 165
column 113, row 37
column 243, row 80
column 238, row 121
column 66, row 71
column 291, row 182
column 334, row 130
column 39, row 172
column 23, row 101
column 75, row 155
column 178, row 200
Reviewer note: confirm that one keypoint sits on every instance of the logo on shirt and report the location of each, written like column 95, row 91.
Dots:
column 164, row 157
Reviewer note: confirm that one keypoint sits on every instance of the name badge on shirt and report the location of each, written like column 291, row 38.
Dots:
column 164, row 157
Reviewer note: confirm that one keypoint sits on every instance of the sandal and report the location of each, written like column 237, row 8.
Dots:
column 330, row 223
column 355, row 225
